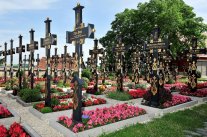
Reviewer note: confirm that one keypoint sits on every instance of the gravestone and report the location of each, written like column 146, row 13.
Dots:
column 155, row 47
column 95, row 52
column 78, row 37
column 50, row 39
column 32, row 47
column 119, row 49
column 19, row 50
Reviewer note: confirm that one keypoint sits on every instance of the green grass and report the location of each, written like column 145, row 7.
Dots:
column 202, row 79
column 122, row 96
column 170, row 125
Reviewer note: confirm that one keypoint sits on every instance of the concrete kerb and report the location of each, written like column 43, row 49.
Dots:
column 12, row 96
column 30, row 130
column 102, row 129
column 24, row 104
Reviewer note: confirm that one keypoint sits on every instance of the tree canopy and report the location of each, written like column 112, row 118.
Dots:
column 175, row 19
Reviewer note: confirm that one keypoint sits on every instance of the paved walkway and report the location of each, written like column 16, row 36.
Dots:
column 199, row 132
column 41, row 127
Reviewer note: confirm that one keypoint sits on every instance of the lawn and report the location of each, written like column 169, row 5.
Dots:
column 170, row 125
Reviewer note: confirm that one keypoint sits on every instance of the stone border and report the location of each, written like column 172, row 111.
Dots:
column 12, row 96
column 100, row 130
column 30, row 130
column 24, row 104
column 10, row 120
column 3, row 91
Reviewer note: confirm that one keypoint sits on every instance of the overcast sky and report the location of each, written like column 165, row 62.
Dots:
column 19, row 16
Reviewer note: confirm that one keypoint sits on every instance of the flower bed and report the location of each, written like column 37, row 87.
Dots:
column 137, row 93
column 199, row 93
column 66, row 104
column 176, row 100
column 175, row 85
column 4, row 112
column 100, row 117
column 15, row 130
column 201, row 85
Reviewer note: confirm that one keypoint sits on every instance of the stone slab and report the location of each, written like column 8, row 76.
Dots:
column 30, row 130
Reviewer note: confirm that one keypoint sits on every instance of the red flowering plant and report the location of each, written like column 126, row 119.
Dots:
column 4, row 112
column 176, row 100
column 137, row 93
column 103, row 116
column 199, row 93
column 89, row 101
column 15, row 130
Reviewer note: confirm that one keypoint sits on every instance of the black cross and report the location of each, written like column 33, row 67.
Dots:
column 95, row 53
column 65, row 65
column 156, row 46
column 19, row 50
column 11, row 52
column 5, row 61
column 32, row 47
column 55, row 58
column 38, row 63
column 79, row 34
column 119, row 49
column 103, row 66
column 136, row 65
column 192, row 74
column 50, row 39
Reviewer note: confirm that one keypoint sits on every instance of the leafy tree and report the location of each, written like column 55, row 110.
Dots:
column 175, row 19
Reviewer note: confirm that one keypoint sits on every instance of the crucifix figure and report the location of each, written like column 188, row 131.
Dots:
column 50, row 39
column 38, row 63
column 95, row 53
column 192, row 58
column 78, row 37
column 19, row 50
column 32, row 47
column 156, row 47
column 119, row 49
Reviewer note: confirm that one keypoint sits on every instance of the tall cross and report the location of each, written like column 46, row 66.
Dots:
column 192, row 78
column 79, row 34
column 119, row 49
column 38, row 63
column 103, row 66
column 11, row 52
column 50, row 39
column 32, row 47
column 55, row 58
column 155, row 47
column 95, row 53
column 136, row 65
column 65, row 65
column 5, row 61
column 19, row 50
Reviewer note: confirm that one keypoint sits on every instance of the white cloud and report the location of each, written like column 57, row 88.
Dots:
column 12, row 5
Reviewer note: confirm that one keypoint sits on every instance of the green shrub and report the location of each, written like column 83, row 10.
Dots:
column 170, row 81
column 198, row 74
column 46, row 110
column 25, row 85
column 38, row 86
column 55, row 102
column 122, row 96
column 30, row 95
column 53, row 90
column 86, row 73
column 130, row 86
column 142, row 86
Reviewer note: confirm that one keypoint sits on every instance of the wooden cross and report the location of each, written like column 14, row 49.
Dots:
column 119, row 49
column 50, row 39
column 95, row 53
column 192, row 78
column 156, row 46
column 38, row 63
column 11, row 52
column 19, row 50
column 32, row 47
column 79, row 34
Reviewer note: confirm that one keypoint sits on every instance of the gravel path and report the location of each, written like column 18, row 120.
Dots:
column 41, row 127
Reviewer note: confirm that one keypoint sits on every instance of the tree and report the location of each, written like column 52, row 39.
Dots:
column 175, row 19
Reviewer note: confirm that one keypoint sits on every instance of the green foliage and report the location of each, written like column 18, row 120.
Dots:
column 122, row 96
column 142, row 86
column 130, row 86
column 53, row 90
column 86, row 73
column 170, row 81
column 30, row 95
column 38, row 86
column 46, row 110
column 25, row 85
column 175, row 18
column 198, row 74
column 60, row 83
column 55, row 102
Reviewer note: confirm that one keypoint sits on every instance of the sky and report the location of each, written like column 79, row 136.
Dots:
column 19, row 16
